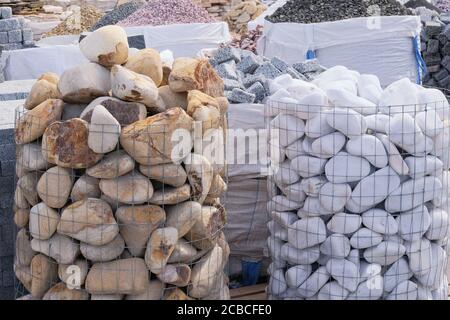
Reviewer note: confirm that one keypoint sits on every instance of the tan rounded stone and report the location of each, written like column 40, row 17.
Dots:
column 44, row 273
column 207, row 228
column 24, row 252
column 147, row 62
column 61, row 292
column 19, row 199
column 169, row 173
column 74, row 274
column 28, row 184
column 183, row 252
column 159, row 248
column 132, row 188
column 173, row 99
column 85, row 187
column 155, row 291
column 43, row 221
column 41, row 91
column 112, row 166
column 106, row 252
column 30, row 158
column 54, row 187
column 21, row 217
column 176, row 274
column 171, row 195
column 183, row 216
column 59, row 247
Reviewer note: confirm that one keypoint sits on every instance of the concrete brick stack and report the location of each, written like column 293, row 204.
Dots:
column 217, row 8
column 13, row 31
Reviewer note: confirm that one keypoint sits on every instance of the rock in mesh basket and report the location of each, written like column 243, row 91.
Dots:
column 359, row 203
column 112, row 199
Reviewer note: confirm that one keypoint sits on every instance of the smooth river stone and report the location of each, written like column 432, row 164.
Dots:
column 171, row 195
column 311, row 186
column 314, row 283
column 30, row 157
column 85, row 187
column 385, row 253
column 296, row 256
column 396, row 161
column 43, row 221
column 371, row 289
column 290, row 128
column 343, row 168
column 277, row 283
column 104, row 131
column 440, row 224
column 54, row 187
column 277, row 231
column 307, row 166
column 318, row 126
column 106, row 252
column 380, row 221
column 307, row 232
column 344, row 223
column 296, row 275
column 281, row 203
column 133, row 188
column 333, row 197
column 294, row 192
column 419, row 256
column 284, row 219
column 65, row 271
column 422, row 148
column 346, row 273
column 368, row 270
column 115, row 164
column 403, row 130
column 373, row 189
column 59, row 247
column 377, row 122
column 295, row 150
column 336, row 246
column 413, row 193
column 398, row 272
column 332, row 291
column 420, row 167
column 169, row 173
column 370, row 148
column 406, row 290
column 274, row 245
column 328, row 145
column 312, row 208
column 365, row 238
column 413, row 224
column 349, row 122
column 285, row 174
column 436, row 274
column 307, row 146
column 430, row 123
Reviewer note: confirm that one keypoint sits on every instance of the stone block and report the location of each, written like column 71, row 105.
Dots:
column 227, row 70
column 248, row 64
column 27, row 35
column 441, row 74
column 230, row 84
column 6, row 12
column 444, row 83
column 433, row 68
column 11, row 46
column 3, row 37
column 279, row 64
column 431, row 59
column 433, row 28
column 268, row 70
column 258, row 90
column 446, row 62
column 433, row 46
column 241, row 96
column 9, row 24
column 227, row 54
column 15, row 36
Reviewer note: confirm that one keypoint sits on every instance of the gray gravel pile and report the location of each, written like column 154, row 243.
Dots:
column 246, row 76
column 315, row 11
column 118, row 14
column 421, row 3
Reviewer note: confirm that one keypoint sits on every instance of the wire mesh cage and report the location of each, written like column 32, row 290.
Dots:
column 125, row 209
column 358, row 201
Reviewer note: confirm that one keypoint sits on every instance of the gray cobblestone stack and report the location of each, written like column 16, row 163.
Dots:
column 14, row 34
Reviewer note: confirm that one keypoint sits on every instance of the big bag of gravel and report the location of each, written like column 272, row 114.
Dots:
column 383, row 46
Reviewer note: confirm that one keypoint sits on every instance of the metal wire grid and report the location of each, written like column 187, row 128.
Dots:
column 359, row 201
column 98, row 238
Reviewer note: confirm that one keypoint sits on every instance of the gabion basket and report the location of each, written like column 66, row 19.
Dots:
column 358, row 201
column 112, row 212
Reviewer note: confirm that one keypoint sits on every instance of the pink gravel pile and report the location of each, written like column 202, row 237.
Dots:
column 163, row 12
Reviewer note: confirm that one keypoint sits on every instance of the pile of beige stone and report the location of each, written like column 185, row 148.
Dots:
column 240, row 14
column 112, row 199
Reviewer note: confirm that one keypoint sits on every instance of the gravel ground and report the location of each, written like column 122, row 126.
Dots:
column 119, row 13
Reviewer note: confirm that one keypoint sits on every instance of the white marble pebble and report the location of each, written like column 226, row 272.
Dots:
column 332, row 291
column 368, row 270
column 289, row 294
column 281, row 203
column 370, row 148
column 399, row 97
column 398, row 272
column 290, row 128
column 394, row 238
column 344, row 99
column 439, row 226
column 333, row 197
column 413, row 224
column 296, row 256
column 371, row 289
column 344, row 223
column 419, row 256
column 296, row 275
column 343, row 168
column 369, row 87
column 380, row 221
column 295, row 149
column 423, row 293
column 318, row 126
column 307, row 232
column 307, row 166
column 434, row 99
column 430, row 123
column 420, row 149
column 294, row 192
column 349, row 122
column 311, row 186
column 419, row 167
column 377, row 122
column 274, row 245
column 348, row 86
column 385, row 253
column 284, row 219
column 328, row 145
column 310, row 105
column 365, row 238
column 314, row 283
column 373, row 190
column 323, row 259
column 336, row 246
column 396, row 161
column 277, row 283
column 403, row 130
column 285, row 174
column 413, row 193
column 312, row 208
column 355, row 257
column 307, row 146
column 346, row 273
column 437, row 271
column 277, row 231
column 406, row 290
